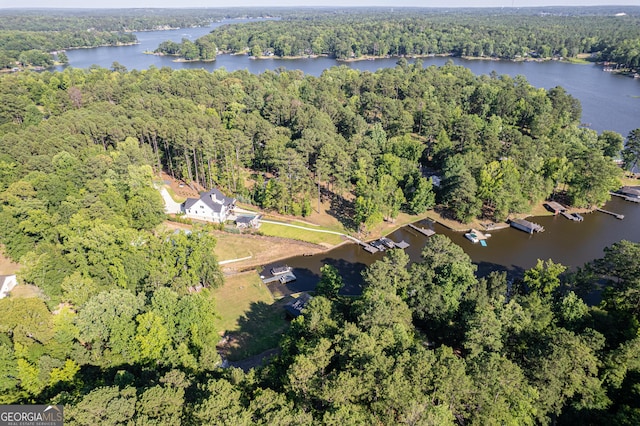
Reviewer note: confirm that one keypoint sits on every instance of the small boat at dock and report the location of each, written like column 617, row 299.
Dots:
column 472, row 237
column 476, row 236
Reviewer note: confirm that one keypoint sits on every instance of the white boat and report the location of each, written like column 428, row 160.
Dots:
column 472, row 237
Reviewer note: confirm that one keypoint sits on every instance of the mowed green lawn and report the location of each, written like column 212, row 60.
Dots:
column 248, row 312
column 310, row 236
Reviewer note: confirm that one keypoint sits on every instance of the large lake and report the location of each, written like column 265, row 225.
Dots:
column 609, row 102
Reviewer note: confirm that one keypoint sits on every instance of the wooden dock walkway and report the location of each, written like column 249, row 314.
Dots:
column 381, row 244
column 616, row 215
column 625, row 197
column 367, row 247
column 423, row 231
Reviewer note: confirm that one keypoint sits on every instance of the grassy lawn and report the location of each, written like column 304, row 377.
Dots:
column 234, row 246
column 25, row 291
column 300, row 234
column 248, row 313
column 177, row 198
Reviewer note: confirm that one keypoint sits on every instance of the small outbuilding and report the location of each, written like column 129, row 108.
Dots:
column 7, row 283
column 248, row 222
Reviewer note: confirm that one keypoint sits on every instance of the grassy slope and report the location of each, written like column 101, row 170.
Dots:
column 249, row 313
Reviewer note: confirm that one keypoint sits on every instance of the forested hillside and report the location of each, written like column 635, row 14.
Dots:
column 370, row 139
column 118, row 336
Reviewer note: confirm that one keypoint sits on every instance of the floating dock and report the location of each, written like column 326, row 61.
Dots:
column 476, row 236
column 387, row 242
column 423, row 231
column 526, row 226
column 378, row 245
column 369, row 248
column 381, row 244
column 616, row 215
column 575, row 217
column 402, row 244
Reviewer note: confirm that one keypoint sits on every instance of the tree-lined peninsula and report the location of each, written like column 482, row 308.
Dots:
column 599, row 34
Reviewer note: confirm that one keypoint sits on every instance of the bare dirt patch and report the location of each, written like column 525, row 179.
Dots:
column 180, row 188
column 7, row 266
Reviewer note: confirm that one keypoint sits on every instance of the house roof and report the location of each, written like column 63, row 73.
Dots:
column 213, row 199
column 218, row 197
column 190, row 202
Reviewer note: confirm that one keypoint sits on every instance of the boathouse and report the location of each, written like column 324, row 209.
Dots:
column 280, row 269
column 295, row 307
column 526, row 226
column 630, row 191
column 554, row 207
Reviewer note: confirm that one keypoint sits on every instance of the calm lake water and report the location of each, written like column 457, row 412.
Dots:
column 609, row 102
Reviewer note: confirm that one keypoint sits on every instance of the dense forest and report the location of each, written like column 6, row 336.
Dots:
column 487, row 33
column 368, row 139
column 119, row 336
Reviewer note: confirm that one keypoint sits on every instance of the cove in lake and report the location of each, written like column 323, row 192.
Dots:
column 609, row 102
column 567, row 242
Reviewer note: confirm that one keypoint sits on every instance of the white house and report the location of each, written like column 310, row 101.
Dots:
column 7, row 283
column 212, row 206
